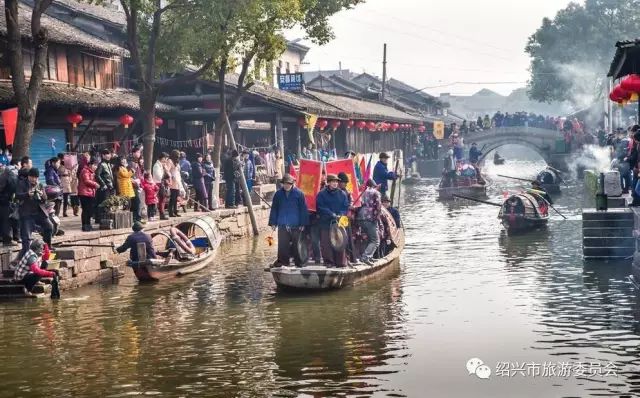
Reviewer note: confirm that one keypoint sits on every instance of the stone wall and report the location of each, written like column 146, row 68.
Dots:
column 82, row 266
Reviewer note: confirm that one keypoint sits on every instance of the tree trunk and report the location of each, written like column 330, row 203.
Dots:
column 148, row 115
column 24, row 130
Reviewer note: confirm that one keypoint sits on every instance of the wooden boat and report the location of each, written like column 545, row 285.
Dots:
column 550, row 180
column 523, row 212
column 174, row 261
column 497, row 160
column 467, row 183
column 319, row 277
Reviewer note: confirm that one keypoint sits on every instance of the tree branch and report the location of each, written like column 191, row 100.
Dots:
column 131, row 13
column 14, row 50
column 187, row 77
column 153, row 40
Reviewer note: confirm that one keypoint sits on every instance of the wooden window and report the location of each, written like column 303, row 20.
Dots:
column 52, row 65
column 61, row 60
column 107, row 74
column 76, row 70
column 89, row 67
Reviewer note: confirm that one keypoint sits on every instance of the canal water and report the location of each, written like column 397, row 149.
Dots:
column 462, row 290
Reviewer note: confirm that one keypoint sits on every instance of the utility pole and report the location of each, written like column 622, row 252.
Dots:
column 384, row 71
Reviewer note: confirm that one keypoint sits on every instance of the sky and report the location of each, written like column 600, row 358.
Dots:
column 437, row 43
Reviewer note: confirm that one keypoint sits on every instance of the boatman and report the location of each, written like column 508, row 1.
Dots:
column 381, row 174
column 474, row 153
column 535, row 185
column 386, row 203
column 289, row 214
column 138, row 236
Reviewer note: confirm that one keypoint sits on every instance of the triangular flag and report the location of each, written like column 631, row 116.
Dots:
column 356, row 167
column 363, row 170
column 368, row 173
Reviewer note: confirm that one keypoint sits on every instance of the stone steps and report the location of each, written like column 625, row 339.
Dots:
column 608, row 235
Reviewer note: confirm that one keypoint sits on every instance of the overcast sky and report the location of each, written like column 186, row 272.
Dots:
column 436, row 43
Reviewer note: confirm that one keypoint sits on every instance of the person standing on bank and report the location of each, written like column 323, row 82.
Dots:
column 8, row 185
column 229, row 169
column 53, row 179
column 125, row 184
column 289, row 214
column 30, row 193
column 197, row 179
column 176, row 182
column 209, row 178
column 381, row 174
column 87, row 187
column 104, row 178
column 331, row 203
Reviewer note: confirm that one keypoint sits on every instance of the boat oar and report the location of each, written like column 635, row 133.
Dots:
column 477, row 200
column 263, row 199
column 539, row 194
column 515, row 178
column 198, row 204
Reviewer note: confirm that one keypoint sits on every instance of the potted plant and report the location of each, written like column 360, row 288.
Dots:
column 113, row 215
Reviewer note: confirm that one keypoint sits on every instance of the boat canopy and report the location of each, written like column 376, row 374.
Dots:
column 203, row 226
column 529, row 203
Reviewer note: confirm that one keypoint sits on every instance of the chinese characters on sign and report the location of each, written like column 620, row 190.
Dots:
column 291, row 82
column 555, row 369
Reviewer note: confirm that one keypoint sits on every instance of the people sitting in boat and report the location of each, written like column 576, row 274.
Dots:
column 539, row 189
column 331, row 203
column 344, row 181
column 289, row 215
column 386, row 202
column 367, row 217
column 474, row 153
column 131, row 243
column 497, row 159
column 381, row 175
column 31, row 267
column 514, row 205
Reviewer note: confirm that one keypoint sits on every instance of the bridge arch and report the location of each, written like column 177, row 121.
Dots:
column 542, row 141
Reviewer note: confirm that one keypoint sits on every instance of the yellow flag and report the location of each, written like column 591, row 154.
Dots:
column 438, row 129
column 311, row 124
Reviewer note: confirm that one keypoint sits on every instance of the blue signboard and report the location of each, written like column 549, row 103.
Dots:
column 291, row 82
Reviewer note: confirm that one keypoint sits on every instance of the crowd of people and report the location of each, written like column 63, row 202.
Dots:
column 89, row 183
column 624, row 146
column 291, row 217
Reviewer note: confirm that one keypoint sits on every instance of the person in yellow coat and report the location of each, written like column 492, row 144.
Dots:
column 125, row 180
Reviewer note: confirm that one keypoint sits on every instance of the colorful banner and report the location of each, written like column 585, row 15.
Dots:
column 438, row 129
column 311, row 124
column 346, row 166
column 309, row 177
column 10, row 120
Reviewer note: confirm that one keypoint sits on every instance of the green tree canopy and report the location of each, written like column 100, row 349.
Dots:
column 571, row 54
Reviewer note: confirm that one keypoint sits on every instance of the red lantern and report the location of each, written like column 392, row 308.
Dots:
column 395, row 126
column 371, row 126
column 322, row 124
column 158, row 121
column 350, row 123
column 75, row 119
column 335, row 124
column 302, row 122
column 361, row 124
column 620, row 94
column 422, row 129
column 126, row 120
column 631, row 83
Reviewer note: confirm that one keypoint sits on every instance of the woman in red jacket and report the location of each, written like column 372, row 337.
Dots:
column 87, row 186
column 150, row 195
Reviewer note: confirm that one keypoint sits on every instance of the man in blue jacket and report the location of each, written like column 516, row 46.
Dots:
column 331, row 203
column 381, row 174
column 289, row 214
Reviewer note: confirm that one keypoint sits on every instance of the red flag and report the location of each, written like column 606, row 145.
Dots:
column 10, row 120
column 292, row 171
column 368, row 173
column 345, row 166
column 309, row 181
column 363, row 170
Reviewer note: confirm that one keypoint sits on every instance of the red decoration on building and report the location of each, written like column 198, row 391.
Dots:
column 158, row 122
column 620, row 94
column 75, row 119
column 350, row 123
column 422, row 129
column 371, row 126
column 126, row 120
column 335, row 124
column 322, row 124
column 631, row 83
column 395, row 126
column 361, row 124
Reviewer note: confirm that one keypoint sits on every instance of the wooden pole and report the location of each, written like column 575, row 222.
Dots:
column 245, row 189
column 393, row 184
column 478, row 200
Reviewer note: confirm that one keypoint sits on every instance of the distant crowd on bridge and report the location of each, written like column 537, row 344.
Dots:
column 572, row 131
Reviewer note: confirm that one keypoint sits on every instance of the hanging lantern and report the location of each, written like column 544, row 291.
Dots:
column 75, row 119
column 158, row 121
column 350, row 123
column 361, row 124
column 422, row 129
column 126, row 120
column 371, row 126
column 631, row 83
column 302, row 122
column 395, row 126
column 335, row 124
column 620, row 94
column 322, row 124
